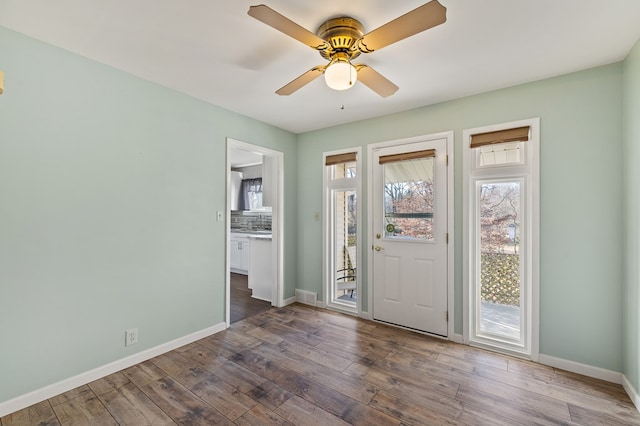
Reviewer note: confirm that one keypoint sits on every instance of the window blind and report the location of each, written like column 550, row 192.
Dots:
column 340, row 158
column 407, row 156
column 519, row 134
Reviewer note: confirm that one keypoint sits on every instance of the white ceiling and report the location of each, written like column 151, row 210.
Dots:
column 214, row 51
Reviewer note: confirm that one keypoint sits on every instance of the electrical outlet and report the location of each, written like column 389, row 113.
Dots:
column 131, row 337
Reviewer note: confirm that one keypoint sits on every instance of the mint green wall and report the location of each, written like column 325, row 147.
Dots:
column 109, row 187
column 631, row 211
column 581, row 179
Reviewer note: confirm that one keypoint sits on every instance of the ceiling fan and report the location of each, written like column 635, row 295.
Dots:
column 339, row 40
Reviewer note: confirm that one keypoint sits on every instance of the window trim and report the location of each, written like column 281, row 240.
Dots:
column 529, row 171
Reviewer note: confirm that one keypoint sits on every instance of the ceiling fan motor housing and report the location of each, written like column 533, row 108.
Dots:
column 341, row 33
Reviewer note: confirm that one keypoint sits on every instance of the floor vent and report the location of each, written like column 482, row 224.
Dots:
column 306, row 297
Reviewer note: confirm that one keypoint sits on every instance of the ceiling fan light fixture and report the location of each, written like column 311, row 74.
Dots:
column 340, row 75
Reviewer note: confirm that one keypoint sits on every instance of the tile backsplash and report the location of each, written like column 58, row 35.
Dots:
column 250, row 220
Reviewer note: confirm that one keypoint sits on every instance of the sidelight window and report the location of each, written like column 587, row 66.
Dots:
column 501, row 216
column 341, row 213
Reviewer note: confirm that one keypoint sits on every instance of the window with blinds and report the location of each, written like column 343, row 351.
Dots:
column 500, row 148
column 342, row 166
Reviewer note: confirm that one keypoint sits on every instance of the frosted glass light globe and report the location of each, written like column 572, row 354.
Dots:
column 340, row 75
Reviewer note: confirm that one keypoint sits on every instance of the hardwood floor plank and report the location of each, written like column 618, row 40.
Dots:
column 316, row 393
column 236, row 340
column 315, row 354
column 441, row 381
column 224, row 398
column 107, row 384
column 235, row 375
column 303, row 413
column 307, row 366
column 261, row 416
column 84, row 409
column 355, row 388
column 269, row 395
column 586, row 416
column 218, row 347
column 515, row 406
column 216, row 392
column 130, row 406
column 409, row 413
column 41, row 414
column 81, row 391
column 292, row 334
column 144, row 373
column 181, row 404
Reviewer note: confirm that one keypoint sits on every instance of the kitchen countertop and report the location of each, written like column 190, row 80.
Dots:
column 254, row 234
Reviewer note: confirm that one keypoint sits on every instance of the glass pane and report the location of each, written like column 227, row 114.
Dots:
column 344, row 170
column 408, row 199
column 345, row 228
column 500, row 280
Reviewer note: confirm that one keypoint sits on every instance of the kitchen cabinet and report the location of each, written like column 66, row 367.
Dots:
column 239, row 253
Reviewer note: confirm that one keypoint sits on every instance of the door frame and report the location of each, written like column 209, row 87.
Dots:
column 277, row 222
column 448, row 136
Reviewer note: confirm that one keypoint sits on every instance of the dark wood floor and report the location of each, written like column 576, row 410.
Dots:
column 305, row 366
column 242, row 305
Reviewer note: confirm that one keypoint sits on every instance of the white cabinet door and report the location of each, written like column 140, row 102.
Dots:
column 239, row 254
column 244, row 255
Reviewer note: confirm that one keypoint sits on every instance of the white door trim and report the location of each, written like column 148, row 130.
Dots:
column 450, row 219
column 277, row 224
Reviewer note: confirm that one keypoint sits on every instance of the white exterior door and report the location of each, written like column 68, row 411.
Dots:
column 410, row 235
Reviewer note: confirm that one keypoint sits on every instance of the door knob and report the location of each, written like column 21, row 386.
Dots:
column 378, row 248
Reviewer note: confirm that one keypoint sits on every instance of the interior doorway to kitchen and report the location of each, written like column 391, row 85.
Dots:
column 254, row 271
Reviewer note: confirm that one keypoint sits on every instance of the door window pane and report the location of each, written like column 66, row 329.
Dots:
column 408, row 199
column 500, row 274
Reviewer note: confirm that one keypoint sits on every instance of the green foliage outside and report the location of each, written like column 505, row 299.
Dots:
column 500, row 276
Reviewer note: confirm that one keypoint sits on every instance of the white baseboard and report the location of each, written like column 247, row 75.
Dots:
column 320, row 304
column 365, row 315
column 289, row 301
column 584, row 369
column 633, row 393
column 39, row 395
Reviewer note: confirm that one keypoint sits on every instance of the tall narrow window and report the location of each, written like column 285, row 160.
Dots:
column 341, row 212
column 501, row 216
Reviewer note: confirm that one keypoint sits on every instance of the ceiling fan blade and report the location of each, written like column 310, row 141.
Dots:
column 285, row 25
column 420, row 19
column 375, row 81
column 304, row 79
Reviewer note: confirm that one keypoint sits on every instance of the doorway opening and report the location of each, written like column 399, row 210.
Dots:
column 254, row 230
